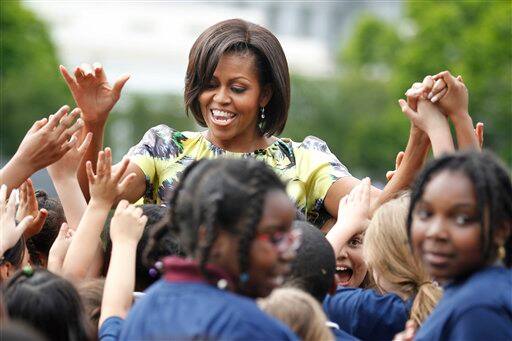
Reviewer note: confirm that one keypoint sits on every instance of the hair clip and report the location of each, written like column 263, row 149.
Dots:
column 28, row 271
column 222, row 284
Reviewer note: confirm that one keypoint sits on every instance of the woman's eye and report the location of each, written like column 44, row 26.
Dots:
column 237, row 89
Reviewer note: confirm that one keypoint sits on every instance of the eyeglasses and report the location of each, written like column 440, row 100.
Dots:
column 285, row 243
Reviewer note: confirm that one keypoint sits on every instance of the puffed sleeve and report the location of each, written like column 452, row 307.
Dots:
column 156, row 148
column 318, row 169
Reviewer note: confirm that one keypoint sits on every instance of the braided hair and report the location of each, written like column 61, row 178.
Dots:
column 220, row 194
column 493, row 190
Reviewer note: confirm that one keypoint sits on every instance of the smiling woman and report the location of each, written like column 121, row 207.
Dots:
column 237, row 85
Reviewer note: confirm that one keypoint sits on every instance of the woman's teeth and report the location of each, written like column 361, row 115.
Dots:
column 222, row 115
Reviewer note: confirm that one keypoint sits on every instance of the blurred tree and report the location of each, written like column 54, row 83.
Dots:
column 30, row 82
column 356, row 111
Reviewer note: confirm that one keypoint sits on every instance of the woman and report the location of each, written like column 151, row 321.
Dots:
column 238, row 86
column 232, row 252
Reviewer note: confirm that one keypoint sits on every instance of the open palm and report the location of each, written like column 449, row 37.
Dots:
column 92, row 91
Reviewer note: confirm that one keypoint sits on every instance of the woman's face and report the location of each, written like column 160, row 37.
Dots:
column 351, row 268
column 269, row 261
column 445, row 227
column 231, row 102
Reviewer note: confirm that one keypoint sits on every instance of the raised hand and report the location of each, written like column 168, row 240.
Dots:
column 10, row 233
column 429, row 88
column 68, row 165
column 28, row 207
column 127, row 223
column 48, row 140
column 455, row 101
column 104, row 185
column 92, row 91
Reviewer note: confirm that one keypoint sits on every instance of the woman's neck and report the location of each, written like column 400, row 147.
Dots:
column 241, row 145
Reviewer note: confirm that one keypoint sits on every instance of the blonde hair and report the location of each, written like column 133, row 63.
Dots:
column 386, row 250
column 299, row 311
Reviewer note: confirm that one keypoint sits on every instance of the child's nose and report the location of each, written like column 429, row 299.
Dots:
column 437, row 229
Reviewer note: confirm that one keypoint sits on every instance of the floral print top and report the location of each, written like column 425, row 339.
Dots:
column 308, row 167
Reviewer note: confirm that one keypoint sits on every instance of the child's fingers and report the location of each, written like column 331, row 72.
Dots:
column 23, row 225
column 137, row 211
column 67, row 145
column 447, row 77
column 143, row 220
column 70, row 81
column 22, row 193
column 3, row 197
column 37, row 125
column 66, row 133
column 98, row 71
column 123, row 204
column 479, row 132
column 31, row 195
column 11, row 205
column 55, row 119
column 89, row 171
column 399, row 158
column 411, row 114
column 365, row 191
column 100, row 165
column 66, row 120
column 440, row 95
column 108, row 161
column 390, row 174
column 85, row 144
column 428, row 83
column 439, row 85
column 459, row 78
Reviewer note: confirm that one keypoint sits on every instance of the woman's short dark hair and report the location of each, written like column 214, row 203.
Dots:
column 48, row 303
column 240, row 36
column 493, row 191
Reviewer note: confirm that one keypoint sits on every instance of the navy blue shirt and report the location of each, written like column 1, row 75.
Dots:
column 366, row 314
column 182, row 306
column 478, row 308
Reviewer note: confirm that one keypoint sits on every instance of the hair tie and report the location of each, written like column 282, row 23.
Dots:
column 28, row 271
column 244, row 277
column 434, row 283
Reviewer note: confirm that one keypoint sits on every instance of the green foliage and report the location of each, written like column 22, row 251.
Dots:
column 30, row 83
column 356, row 111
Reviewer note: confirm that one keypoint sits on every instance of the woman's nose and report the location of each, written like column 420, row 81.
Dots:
column 221, row 96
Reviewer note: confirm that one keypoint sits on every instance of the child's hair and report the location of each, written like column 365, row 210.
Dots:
column 15, row 254
column 299, row 311
column 312, row 269
column 19, row 331
column 216, row 194
column 493, row 191
column 91, row 294
column 48, row 303
column 43, row 241
column 146, row 274
column 386, row 250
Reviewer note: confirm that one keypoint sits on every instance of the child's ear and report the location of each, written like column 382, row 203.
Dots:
column 502, row 233
column 5, row 270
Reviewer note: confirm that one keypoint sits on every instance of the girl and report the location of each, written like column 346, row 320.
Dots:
column 48, row 303
column 233, row 220
column 460, row 226
column 237, row 85
column 406, row 291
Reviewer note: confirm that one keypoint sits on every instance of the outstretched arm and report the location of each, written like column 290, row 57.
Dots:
column 46, row 142
column 105, row 187
column 125, row 231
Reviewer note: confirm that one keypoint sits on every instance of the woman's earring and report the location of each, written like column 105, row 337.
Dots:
column 262, row 113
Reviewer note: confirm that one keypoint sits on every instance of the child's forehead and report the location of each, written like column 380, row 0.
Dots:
column 450, row 186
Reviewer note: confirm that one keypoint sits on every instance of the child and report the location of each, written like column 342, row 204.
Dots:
column 233, row 219
column 460, row 226
column 300, row 311
column 48, row 303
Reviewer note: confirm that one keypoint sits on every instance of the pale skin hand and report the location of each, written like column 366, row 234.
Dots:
column 353, row 215
column 28, row 207
column 46, row 142
column 126, row 230
column 408, row 334
column 68, row 165
column 430, row 120
column 398, row 161
column 59, row 249
column 10, row 233
column 105, row 186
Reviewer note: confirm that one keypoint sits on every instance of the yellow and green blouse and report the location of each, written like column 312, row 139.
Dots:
column 308, row 167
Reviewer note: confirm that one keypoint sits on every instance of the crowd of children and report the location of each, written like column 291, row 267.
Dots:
column 277, row 244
